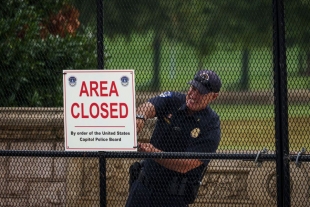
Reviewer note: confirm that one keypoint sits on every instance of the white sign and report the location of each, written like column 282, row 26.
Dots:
column 99, row 110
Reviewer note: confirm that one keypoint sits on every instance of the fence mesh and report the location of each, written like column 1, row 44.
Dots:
column 166, row 43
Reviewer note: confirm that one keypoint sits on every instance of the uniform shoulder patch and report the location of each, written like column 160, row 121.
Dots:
column 166, row 94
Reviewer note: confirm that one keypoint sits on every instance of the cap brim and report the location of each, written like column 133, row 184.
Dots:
column 202, row 89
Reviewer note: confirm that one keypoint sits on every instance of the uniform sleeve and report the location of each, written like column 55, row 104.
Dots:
column 165, row 103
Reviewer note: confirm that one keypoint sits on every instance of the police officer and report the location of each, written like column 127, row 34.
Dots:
column 185, row 123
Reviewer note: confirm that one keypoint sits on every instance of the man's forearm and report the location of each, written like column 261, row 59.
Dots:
column 179, row 165
column 147, row 110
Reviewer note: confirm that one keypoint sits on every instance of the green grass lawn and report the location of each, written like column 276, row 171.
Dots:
column 256, row 112
column 179, row 63
column 252, row 127
column 244, row 127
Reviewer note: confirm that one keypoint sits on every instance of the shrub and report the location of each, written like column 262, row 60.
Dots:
column 38, row 41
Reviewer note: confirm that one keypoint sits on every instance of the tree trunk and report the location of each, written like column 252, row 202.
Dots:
column 155, row 83
column 301, row 67
column 200, row 63
column 244, row 80
column 303, row 63
column 307, row 71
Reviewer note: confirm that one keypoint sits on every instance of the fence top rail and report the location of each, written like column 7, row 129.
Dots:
column 158, row 155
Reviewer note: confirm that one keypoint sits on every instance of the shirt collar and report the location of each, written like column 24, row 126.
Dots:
column 197, row 115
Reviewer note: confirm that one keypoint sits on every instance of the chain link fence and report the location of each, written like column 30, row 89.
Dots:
column 261, row 56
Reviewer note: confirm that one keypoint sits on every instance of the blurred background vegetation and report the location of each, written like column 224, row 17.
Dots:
column 37, row 41
column 165, row 42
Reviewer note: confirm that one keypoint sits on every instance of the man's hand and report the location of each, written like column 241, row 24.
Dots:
column 147, row 147
column 179, row 165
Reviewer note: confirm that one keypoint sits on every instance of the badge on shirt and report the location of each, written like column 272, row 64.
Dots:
column 167, row 120
column 195, row 132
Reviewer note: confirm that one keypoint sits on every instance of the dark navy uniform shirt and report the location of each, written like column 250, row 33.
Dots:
column 176, row 131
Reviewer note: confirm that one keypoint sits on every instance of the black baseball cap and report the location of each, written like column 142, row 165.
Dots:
column 206, row 81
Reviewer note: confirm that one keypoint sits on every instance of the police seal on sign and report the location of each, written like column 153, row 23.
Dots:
column 125, row 80
column 72, row 80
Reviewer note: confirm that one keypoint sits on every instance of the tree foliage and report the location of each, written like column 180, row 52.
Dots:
column 37, row 41
column 298, row 32
column 186, row 22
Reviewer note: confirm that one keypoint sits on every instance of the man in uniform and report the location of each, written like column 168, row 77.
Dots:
column 185, row 123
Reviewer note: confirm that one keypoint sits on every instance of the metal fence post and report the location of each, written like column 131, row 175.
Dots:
column 281, row 105
column 100, row 46
column 100, row 60
column 103, row 184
